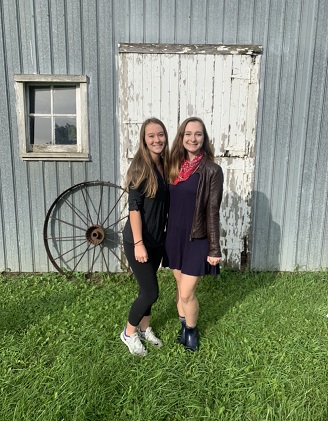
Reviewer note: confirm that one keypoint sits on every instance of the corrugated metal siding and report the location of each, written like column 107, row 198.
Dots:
column 290, row 225
column 58, row 37
column 290, row 208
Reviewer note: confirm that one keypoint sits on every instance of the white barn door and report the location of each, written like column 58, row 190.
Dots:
column 217, row 83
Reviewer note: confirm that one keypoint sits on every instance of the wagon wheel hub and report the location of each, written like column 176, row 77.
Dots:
column 95, row 234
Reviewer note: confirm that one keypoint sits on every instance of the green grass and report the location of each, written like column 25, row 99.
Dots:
column 263, row 352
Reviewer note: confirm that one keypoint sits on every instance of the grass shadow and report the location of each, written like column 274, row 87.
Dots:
column 31, row 300
column 218, row 295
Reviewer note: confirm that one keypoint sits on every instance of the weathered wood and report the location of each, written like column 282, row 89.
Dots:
column 50, row 78
column 225, row 49
column 222, row 89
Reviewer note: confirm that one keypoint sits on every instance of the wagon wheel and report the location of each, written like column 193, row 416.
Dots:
column 83, row 230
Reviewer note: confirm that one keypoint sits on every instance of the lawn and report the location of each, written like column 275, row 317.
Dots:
column 263, row 350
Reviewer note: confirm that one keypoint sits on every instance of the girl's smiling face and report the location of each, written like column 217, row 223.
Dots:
column 155, row 139
column 193, row 138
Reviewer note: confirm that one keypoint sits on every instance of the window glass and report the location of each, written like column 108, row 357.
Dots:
column 40, row 130
column 64, row 100
column 65, row 131
column 58, row 103
column 40, row 100
column 52, row 117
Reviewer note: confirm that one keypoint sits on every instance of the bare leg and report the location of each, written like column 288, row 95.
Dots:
column 187, row 303
column 177, row 275
column 130, row 330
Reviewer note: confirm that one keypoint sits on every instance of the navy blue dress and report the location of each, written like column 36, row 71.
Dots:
column 189, row 256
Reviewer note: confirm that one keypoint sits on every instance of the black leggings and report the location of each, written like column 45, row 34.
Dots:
column 145, row 273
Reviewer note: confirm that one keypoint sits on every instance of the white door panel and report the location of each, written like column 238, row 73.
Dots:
column 219, row 85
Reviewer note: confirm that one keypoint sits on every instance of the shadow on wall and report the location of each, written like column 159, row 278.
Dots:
column 250, row 238
column 265, row 235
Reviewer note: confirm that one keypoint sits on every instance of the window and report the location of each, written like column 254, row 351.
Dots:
column 52, row 117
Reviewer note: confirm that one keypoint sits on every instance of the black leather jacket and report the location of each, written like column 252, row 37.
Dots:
column 206, row 219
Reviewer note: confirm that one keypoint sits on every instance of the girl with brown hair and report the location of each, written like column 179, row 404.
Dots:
column 193, row 231
column 143, row 234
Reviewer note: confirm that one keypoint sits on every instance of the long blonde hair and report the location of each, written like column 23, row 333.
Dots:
column 142, row 166
column 178, row 152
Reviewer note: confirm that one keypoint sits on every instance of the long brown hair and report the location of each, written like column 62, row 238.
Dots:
column 142, row 166
column 178, row 152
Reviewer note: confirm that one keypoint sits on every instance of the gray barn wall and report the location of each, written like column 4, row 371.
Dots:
column 290, row 218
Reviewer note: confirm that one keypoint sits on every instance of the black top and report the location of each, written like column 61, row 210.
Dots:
column 153, row 213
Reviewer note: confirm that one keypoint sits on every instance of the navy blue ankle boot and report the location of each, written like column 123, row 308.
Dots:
column 191, row 338
column 181, row 339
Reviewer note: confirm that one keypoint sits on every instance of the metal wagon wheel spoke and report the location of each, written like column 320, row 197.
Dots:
column 83, row 230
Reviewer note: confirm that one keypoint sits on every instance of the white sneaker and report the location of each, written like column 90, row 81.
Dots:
column 133, row 343
column 150, row 337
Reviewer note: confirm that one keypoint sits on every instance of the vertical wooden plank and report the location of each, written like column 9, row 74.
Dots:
column 137, row 91
column 217, row 139
column 252, row 106
column 170, row 93
column 187, row 84
column 197, row 100
column 151, row 85
column 222, row 96
column 238, row 107
column 147, row 78
column 209, row 86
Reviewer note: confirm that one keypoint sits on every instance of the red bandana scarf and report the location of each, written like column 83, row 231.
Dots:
column 187, row 168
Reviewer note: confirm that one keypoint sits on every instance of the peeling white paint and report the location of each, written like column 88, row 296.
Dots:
column 222, row 89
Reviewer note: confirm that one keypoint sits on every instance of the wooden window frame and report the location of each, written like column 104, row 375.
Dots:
column 28, row 152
